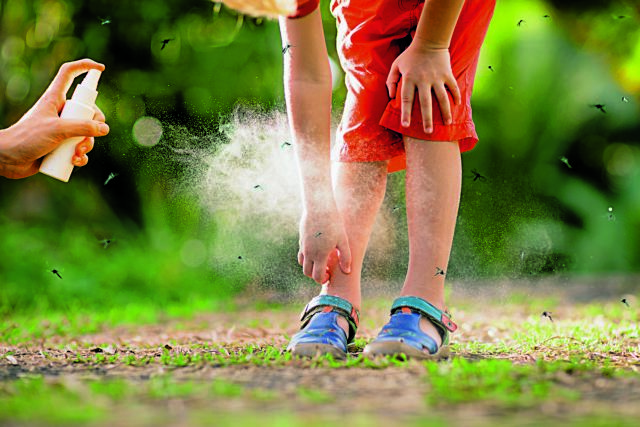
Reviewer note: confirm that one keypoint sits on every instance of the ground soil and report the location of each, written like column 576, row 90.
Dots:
column 385, row 394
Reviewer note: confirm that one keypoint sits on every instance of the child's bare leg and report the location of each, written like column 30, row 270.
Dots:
column 359, row 189
column 433, row 182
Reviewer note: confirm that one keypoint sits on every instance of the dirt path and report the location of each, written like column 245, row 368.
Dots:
column 387, row 395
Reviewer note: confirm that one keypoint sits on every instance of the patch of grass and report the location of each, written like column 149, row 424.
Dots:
column 24, row 328
column 314, row 395
column 35, row 399
column 491, row 380
column 138, row 268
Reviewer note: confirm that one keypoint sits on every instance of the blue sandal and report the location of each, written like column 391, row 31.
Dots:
column 320, row 333
column 402, row 335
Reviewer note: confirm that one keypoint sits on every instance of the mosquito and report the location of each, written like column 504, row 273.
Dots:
column 257, row 187
column 520, row 22
column 490, row 68
column 439, row 272
column 318, row 234
column 56, row 272
column 165, row 42
column 625, row 302
column 286, row 48
column 105, row 21
column 548, row 315
column 625, row 99
column 546, row 16
column 564, row 160
column 600, row 107
column 285, row 144
column 110, row 177
column 477, row 176
column 105, row 243
column 396, row 208
column 610, row 214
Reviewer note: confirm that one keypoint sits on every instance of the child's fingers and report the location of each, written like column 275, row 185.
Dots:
column 452, row 84
column 307, row 267
column 344, row 255
column 392, row 80
column 425, row 108
column 407, row 94
column 443, row 101
column 319, row 272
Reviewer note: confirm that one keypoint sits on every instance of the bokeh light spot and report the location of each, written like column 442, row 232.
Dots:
column 147, row 131
column 18, row 87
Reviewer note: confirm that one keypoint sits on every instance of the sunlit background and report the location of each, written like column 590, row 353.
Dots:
column 193, row 194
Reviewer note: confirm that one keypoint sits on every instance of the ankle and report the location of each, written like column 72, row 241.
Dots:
column 434, row 299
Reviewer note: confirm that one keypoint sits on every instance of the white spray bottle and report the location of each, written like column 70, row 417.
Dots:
column 57, row 164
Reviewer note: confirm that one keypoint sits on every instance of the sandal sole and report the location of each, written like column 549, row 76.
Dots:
column 316, row 350
column 395, row 348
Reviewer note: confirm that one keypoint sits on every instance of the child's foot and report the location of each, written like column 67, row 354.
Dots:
column 329, row 323
column 416, row 329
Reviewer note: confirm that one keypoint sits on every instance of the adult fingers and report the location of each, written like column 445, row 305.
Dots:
column 407, row 94
column 84, row 146
column 426, row 108
column 392, row 80
column 80, row 160
column 68, row 128
column 300, row 258
column 64, row 78
column 99, row 115
column 443, row 101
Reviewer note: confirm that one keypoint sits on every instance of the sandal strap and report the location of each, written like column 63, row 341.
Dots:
column 441, row 319
column 337, row 304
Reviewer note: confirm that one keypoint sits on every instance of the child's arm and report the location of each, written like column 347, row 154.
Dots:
column 307, row 79
column 426, row 65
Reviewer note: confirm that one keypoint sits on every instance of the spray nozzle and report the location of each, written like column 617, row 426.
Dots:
column 86, row 91
column 91, row 79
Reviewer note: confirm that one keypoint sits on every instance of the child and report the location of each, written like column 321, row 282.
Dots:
column 409, row 67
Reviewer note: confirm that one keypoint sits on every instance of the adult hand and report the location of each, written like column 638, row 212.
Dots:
column 322, row 237
column 423, row 69
column 41, row 129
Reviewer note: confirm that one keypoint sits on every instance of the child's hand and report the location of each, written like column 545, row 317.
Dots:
column 424, row 69
column 321, row 234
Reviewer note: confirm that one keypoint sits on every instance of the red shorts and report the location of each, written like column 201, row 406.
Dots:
column 371, row 35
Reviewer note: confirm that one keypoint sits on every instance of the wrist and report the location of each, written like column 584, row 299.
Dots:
column 428, row 45
column 319, row 202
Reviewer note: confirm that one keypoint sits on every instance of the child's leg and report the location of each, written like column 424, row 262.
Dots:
column 433, row 181
column 359, row 191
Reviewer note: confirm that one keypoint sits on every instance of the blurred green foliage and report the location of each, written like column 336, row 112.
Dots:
column 562, row 188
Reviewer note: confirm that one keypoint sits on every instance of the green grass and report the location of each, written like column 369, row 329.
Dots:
column 43, row 326
column 526, row 365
